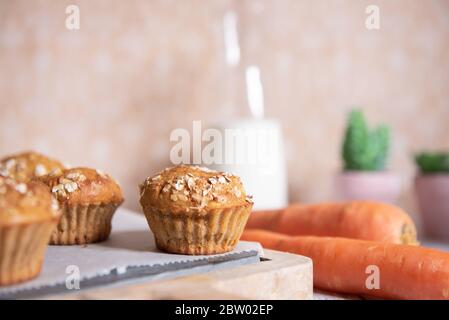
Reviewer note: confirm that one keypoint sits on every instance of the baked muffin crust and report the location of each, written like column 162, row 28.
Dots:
column 28, row 165
column 22, row 202
column 187, row 188
column 83, row 186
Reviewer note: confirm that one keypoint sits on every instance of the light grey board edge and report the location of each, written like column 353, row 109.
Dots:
column 147, row 273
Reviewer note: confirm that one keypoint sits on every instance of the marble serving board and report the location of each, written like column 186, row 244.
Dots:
column 129, row 254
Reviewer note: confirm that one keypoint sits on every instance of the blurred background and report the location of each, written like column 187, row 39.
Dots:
column 109, row 94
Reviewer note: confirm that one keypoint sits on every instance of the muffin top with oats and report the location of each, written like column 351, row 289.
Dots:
column 28, row 165
column 22, row 202
column 83, row 186
column 191, row 188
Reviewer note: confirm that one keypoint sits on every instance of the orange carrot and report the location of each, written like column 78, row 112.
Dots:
column 357, row 219
column 405, row 272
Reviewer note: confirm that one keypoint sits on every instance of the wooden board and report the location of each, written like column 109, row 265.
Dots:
column 277, row 276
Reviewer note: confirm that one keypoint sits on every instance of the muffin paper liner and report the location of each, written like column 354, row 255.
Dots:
column 22, row 249
column 213, row 232
column 83, row 224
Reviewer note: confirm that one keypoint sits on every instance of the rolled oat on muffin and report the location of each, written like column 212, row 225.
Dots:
column 28, row 216
column 26, row 166
column 88, row 199
column 194, row 210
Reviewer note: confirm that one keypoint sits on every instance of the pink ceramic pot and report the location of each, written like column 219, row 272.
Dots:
column 432, row 191
column 365, row 185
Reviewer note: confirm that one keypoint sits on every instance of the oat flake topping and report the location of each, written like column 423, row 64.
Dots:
column 200, row 191
column 40, row 170
column 68, row 184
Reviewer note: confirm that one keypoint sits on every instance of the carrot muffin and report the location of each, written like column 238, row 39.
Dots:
column 194, row 210
column 28, row 216
column 28, row 165
column 87, row 199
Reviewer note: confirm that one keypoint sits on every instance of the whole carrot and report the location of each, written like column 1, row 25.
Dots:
column 346, row 265
column 357, row 219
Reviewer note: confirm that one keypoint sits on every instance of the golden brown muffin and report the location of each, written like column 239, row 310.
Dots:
column 88, row 199
column 28, row 165
column 28, row 216
column 194, row 210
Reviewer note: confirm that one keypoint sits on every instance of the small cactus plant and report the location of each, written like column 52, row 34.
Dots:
column 432, row 162
column 364, row 149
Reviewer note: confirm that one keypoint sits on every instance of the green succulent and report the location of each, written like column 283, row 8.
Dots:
column 429, row 162
column 364, row 149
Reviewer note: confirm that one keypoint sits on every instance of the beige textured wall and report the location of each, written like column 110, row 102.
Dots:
column 109, row 94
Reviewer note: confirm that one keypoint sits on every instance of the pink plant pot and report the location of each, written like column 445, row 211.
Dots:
column 375, row 186
column 432, row 191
